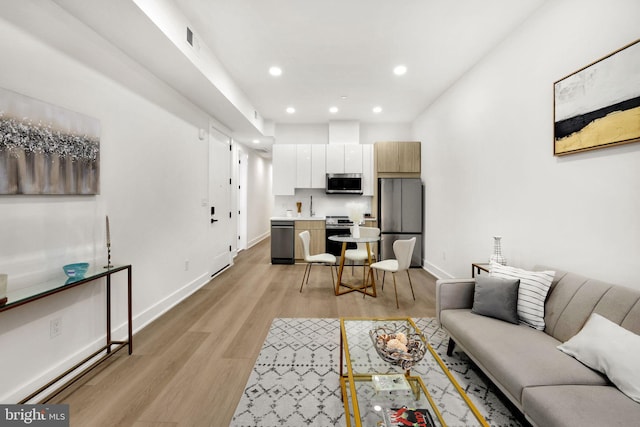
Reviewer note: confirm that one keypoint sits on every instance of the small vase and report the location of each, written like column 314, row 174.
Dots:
column 497, row 252
column 356, row 230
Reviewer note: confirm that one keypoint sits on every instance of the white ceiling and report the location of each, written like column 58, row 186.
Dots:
column 333, row 48
column 326, row 48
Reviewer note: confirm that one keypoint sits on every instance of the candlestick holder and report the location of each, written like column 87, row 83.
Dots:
column 109, row 265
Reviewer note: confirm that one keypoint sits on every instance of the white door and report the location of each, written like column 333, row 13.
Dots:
column 220, row 228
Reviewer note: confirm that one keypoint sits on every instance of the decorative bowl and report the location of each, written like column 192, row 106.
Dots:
column 77, row 270
column 393, row 353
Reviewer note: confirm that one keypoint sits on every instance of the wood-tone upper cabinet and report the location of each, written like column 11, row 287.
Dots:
column 387, row 156
column 398, row 157
column 409, row 156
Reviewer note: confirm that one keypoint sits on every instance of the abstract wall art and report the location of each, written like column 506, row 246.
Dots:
column 599, row 105
column 46, row 149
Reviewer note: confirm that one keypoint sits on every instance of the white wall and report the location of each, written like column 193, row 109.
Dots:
column 371, row 133
column 154, row 172
column 302, row 134
column 488, row 161
column 319, row 133
column 259, row 197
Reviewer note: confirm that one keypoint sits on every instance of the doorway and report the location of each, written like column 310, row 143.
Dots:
column 220, row 229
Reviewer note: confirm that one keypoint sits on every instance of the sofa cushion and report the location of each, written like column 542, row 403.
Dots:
column 573, row 298
column 496, row 297
column 608, row 348
column 515, row 356
column 532, row 294
column 579, row 405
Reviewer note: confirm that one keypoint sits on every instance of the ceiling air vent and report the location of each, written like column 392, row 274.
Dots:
column 189, row 36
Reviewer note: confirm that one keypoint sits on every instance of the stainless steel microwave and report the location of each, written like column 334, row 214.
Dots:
column 344, row 183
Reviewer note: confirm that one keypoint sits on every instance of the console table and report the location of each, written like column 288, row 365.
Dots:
column 23, row 296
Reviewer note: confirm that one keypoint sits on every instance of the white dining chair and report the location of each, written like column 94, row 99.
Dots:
column 327, row 259
column 403, row 250
column 360, row 253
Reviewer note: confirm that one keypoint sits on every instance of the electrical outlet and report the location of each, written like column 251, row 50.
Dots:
column 55, row 327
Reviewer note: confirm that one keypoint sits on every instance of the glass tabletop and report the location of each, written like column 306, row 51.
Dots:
column 430, row 387
column 59, row 282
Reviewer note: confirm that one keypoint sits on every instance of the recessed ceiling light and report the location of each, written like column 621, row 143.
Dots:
column 333, row 110
column 291, row 110
column 344, row 97
column 275, row 71
column 400, row 70
column 377, row 110
column 256, row 141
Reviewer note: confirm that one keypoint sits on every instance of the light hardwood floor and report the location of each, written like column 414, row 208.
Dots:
column 190, row 366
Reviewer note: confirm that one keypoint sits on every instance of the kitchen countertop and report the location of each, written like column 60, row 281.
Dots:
column 309, row 218
column 298, row 218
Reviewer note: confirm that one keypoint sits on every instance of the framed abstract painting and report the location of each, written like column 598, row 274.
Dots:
column 599, row 105
column 46, row 149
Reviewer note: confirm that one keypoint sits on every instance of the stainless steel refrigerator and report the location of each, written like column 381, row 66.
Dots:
column 400, row 215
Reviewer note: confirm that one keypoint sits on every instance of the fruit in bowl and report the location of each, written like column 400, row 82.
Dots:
column 77, row 270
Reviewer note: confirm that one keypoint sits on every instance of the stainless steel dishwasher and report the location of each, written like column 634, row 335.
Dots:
column 282, row 242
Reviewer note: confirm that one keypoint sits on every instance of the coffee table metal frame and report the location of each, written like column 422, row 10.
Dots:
column 348, row 379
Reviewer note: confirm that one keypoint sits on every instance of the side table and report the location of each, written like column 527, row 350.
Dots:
column 477, row 267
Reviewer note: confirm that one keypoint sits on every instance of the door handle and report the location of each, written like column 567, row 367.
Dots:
column 213, row 220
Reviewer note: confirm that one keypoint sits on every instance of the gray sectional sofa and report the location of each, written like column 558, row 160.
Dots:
column 551, row 388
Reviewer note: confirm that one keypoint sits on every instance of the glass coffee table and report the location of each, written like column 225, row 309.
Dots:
column 374, row 390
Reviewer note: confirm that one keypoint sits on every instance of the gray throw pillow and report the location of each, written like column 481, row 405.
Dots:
column 496, row 297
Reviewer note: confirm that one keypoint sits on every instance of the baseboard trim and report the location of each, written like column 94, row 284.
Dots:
column 258, row 239
column 436, row 271
column 166, row 304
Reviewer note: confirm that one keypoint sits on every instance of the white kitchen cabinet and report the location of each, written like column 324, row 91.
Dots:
column 306, row 165
column 344, row 158
column 353, row 158
column 318, row 166
column 303, row 166
column 335, row 158
column 367, row 170
column 283, row 169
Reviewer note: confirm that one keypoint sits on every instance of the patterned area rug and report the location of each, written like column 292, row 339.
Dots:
column 295, row 380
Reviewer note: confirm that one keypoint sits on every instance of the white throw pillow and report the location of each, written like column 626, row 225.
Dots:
column 611, row 349
column 532, row 293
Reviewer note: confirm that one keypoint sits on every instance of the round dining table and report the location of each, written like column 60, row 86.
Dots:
column 369, row 280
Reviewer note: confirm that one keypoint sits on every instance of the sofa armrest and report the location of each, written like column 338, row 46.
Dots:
column 454, row 293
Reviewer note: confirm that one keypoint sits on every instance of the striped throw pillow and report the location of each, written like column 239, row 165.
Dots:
column 532, row 293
